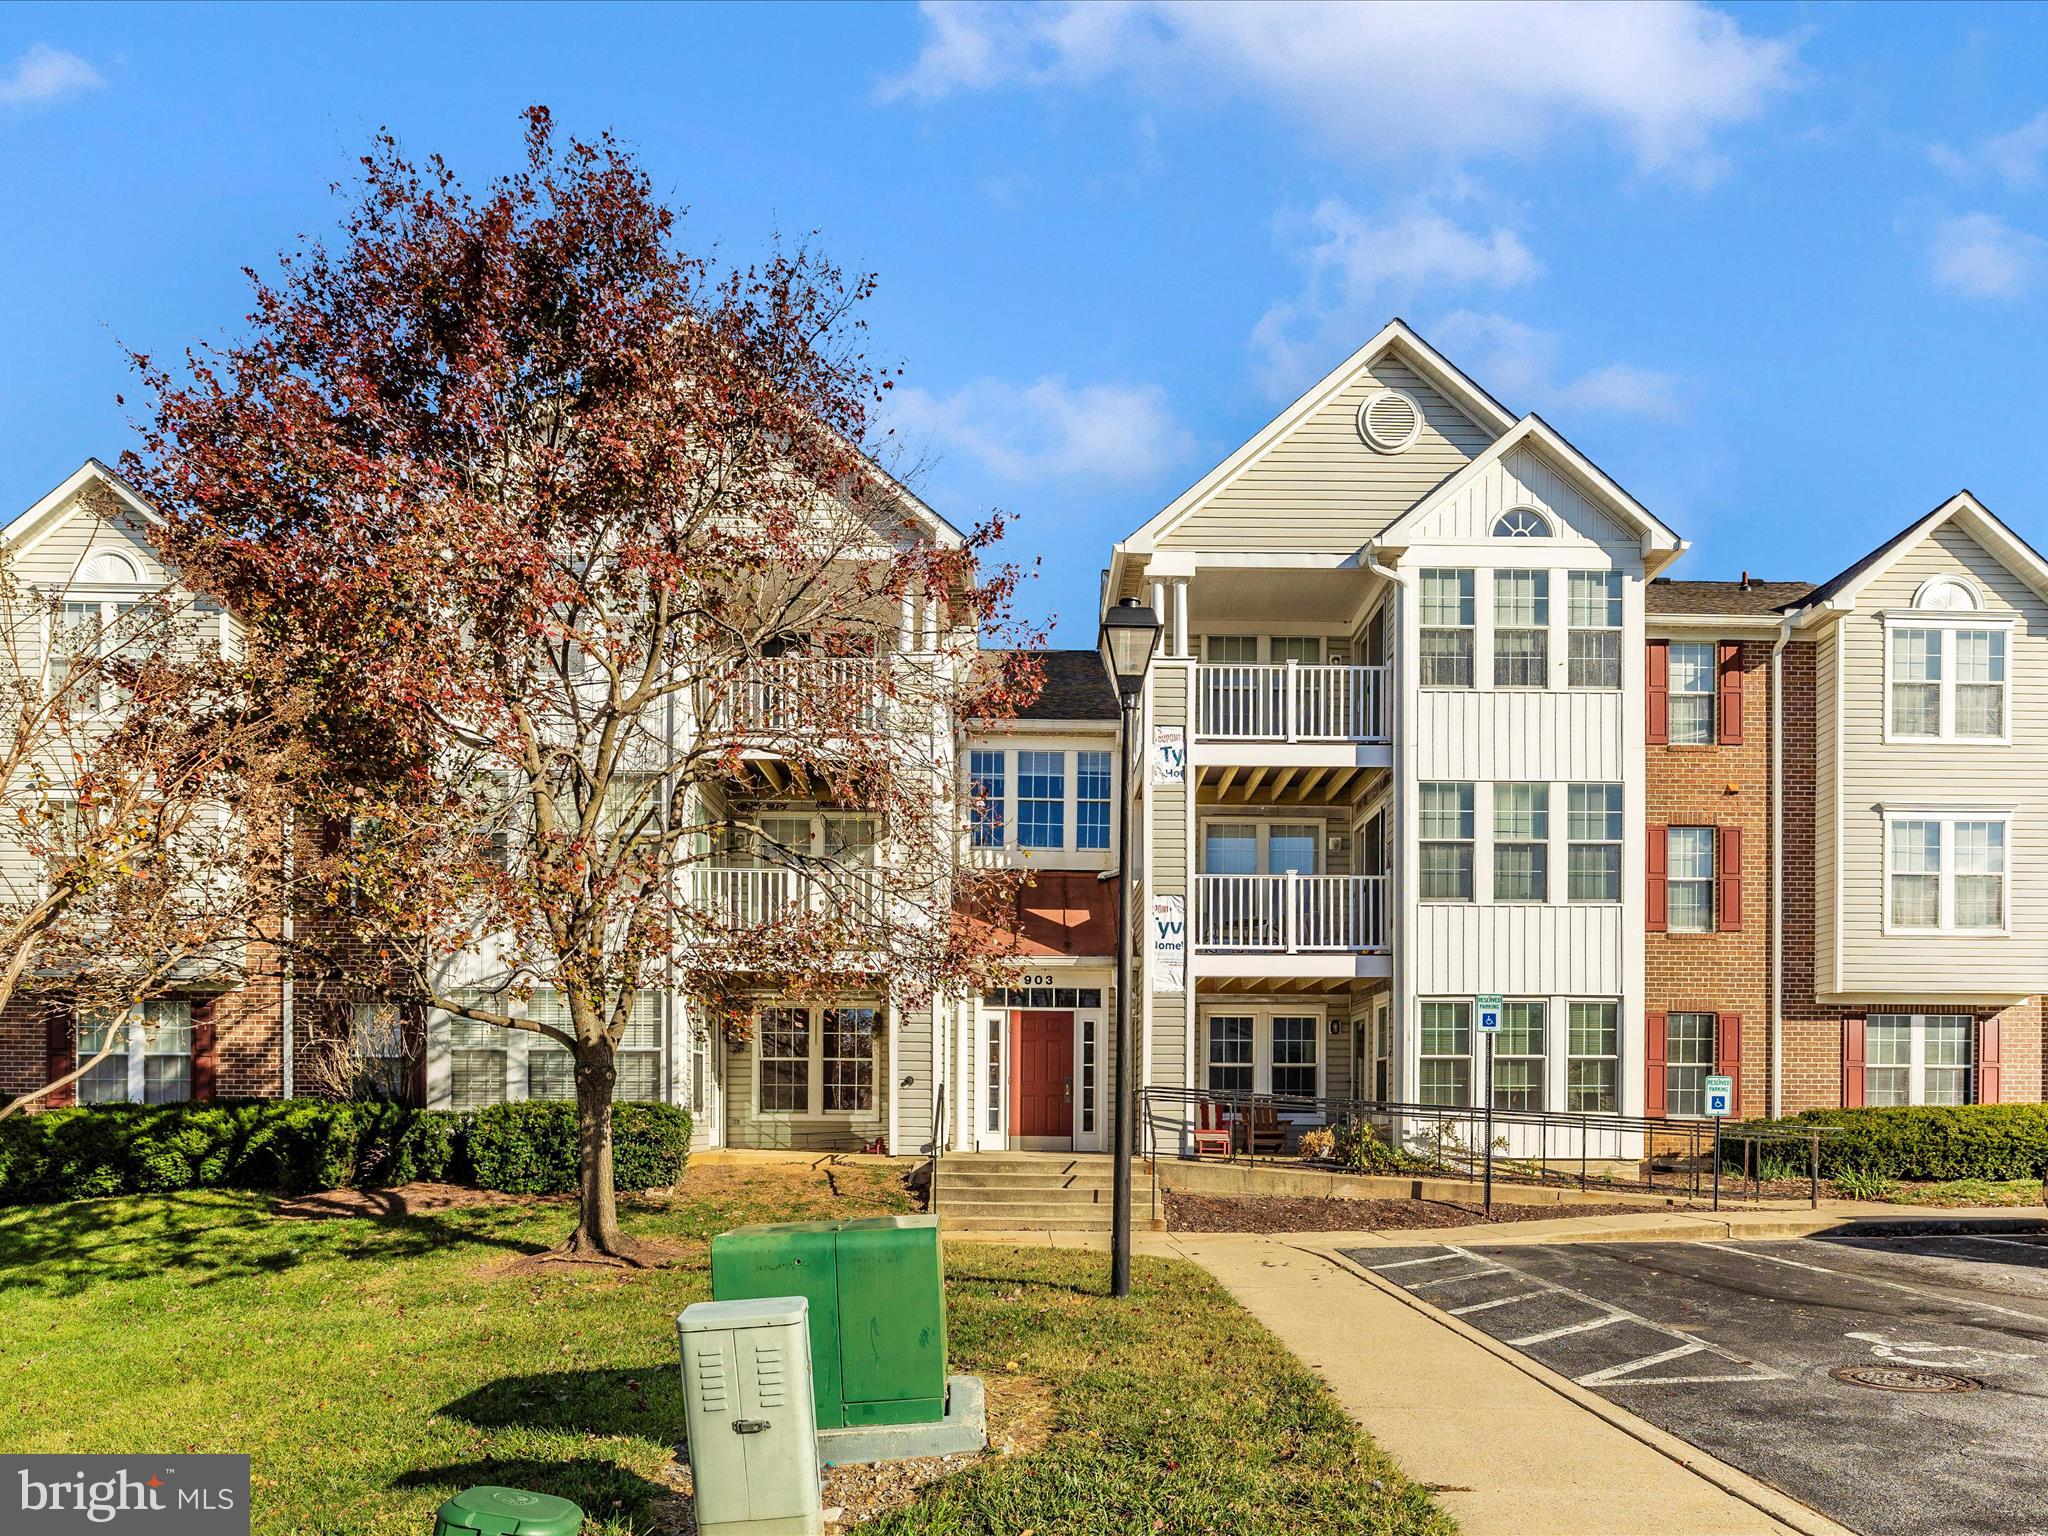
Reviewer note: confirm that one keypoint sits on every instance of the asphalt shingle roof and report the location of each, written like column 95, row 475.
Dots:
column 1076, row 688
column 1732, row 598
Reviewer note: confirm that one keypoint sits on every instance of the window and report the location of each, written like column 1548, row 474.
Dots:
column 476, row 1060
column 1294, row 1054
column 1521, row 629
column 91, row 630
column 151, row 1057
column 1689, row 891
column 1521, row 842
column 1948, row 683
column 1521, row 523
column 550, row 1067
column 1594, row 638
column 1091, row 800
column 1230, row 1053
column 986, row 786
column 1692, row 693
column 1232, row 650
column 820, row 1061
column 785, row 1066
column 1518, row 1057
column 1593, row 849
column 1307, row 650
column 1446, row 1041
column 1088, row 1033
column 849, row 1060
column 1449, row 615
column 1945, row 873
column 1592, row 1046
column 1688, row 1058
column 1446, row 825
column 1041, row 799
column 639, row 1050
column 1914, row 1058
column 377, row 1044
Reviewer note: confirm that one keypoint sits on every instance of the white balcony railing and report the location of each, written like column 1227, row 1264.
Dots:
column 788, row 695
column 1290, row 701
column 751, row 897
column 1291, row 914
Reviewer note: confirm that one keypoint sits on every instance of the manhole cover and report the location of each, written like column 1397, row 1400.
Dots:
column 1897, row 1378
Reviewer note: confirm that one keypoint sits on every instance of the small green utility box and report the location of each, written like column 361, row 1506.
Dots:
column 877, row 1294
column 507, row 1512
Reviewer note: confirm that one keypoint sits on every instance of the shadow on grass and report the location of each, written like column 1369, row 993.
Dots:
column 604, row 1490
column 203, row 1239
column 646, row 1401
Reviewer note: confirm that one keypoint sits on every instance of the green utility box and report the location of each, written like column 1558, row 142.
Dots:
column 877, row 1295
column 507, row 1512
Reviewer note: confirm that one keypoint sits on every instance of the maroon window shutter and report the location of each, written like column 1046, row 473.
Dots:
column 1657, row 898
column 1728, row 878
column 58, row 1038
column 1655, row 1049
column 202, row 1052
column 1852, row 1063
column 1988, row 1075
column 1728, row 1054
column 1730, row 695
column 1657, row 680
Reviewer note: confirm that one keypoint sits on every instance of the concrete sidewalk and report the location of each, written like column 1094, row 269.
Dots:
column 1507, row 1446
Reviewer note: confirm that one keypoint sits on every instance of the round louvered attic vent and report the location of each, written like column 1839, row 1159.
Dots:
column 1389, row 420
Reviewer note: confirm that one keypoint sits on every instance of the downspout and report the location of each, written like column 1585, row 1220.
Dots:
column 1776, row 1102
column 1397, row 802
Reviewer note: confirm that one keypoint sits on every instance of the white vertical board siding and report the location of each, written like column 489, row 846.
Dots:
column 1960, row 776
column 1518, row 950
column 1322, row 487
column 1524, row 478
column 1471, row 733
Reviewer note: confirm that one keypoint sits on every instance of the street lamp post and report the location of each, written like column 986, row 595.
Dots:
column 1130, row 634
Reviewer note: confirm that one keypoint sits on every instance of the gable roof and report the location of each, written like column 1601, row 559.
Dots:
column 1533, row 430
column 32, row 526
column 2026, row 562
column 1396, row 337
column 1076, row 688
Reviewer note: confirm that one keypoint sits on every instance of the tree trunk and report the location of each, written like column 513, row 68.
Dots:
column 597, row 1222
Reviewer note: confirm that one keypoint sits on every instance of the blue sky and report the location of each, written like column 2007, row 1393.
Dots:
column 1780, row 270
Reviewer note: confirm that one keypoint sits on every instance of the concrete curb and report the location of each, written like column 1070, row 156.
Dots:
column 1732, row 1481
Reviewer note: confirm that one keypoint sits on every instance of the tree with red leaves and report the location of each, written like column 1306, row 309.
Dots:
column 585, row 545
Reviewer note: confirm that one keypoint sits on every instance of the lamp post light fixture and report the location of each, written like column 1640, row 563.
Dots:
column 1130, row 634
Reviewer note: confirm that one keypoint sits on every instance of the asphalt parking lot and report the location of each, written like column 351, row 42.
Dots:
column 1735, row 1347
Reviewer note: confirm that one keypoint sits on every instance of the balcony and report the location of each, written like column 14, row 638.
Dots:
column 1291, row 702
column 738, row 897
column 1290, row 914
column 775, row 698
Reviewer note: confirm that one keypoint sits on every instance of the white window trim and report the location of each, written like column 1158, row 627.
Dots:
column 1618, row 629
column 1264, row 830
column 1712, row 694
column 1482, row 847
column 1480, row 629
column 1563, row 837
column 1262, row 1016
column 1547, row 842
column 1947, row 817
column 1009, row 853
column 814, row 1083
column 1713, row 923
column 1947, row 622
column 1916, row 1054
column 135, row 1048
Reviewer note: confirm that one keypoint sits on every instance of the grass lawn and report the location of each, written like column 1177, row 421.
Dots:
column 372, row 1367
column 1969, row 1192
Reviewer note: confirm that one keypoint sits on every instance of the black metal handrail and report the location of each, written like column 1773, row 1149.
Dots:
column 1470, row 1140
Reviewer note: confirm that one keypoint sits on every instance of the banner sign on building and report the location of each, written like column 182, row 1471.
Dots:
column 1169, row 944
column 1169, row 754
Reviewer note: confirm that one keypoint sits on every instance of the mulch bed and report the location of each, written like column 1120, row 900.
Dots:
column 1204, row 1213
column 418, row 1199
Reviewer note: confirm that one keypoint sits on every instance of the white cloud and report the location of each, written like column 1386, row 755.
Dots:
column 2014, row 157
column 1356, row 271
column 1047, row 429
column 1387, row 80
column 1519, row 363
column 44, row 74
column 1981, row 256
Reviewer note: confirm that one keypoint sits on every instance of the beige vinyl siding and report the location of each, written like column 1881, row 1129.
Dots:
column 57, row 558
column 1320, row 487
column 1959, row 775
column 914, row 1061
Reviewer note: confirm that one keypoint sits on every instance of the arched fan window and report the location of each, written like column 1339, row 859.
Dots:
column 1521, row 523
column 110, row 567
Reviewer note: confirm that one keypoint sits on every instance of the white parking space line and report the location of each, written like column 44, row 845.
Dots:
column 1498, row 1301
column 1437, row 1258
column 1472, row 1274
column 1557, row 1333
column 1895, row 1285
column 1595, row 1378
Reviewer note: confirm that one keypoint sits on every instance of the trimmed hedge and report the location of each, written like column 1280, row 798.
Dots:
column 1965, row 1141
column 299, row 1146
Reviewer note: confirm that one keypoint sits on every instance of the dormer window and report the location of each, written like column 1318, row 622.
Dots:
column 1521, row 523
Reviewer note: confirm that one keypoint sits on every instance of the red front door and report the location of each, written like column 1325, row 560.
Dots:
column 1042, row 1094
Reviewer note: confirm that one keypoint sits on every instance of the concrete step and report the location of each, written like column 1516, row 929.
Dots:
column 950, row 1180
column 1050, row 1213
column 947, row 1223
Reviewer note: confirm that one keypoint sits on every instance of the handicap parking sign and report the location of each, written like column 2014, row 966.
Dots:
column 1720, row 1095
column 1489, row 1012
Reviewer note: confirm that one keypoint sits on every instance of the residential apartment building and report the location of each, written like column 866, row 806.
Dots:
column 1429, row 721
